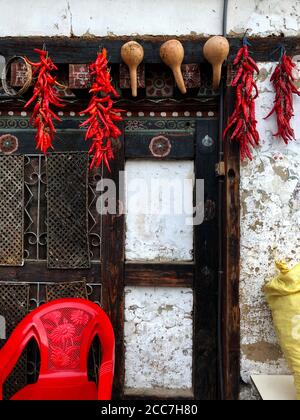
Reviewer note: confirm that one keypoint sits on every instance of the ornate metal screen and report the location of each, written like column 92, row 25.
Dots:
column 35, row 210
column 14, row 305
column 11, row 210
column 67, row 195
column 66, row 290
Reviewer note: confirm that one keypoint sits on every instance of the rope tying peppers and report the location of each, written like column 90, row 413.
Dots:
column 243, row 120
column 101, row 124
column 44, row 95
column 283, row 82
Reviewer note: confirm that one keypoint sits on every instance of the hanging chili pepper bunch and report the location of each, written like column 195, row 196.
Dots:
column 243, row 120
column 101, row 124
column 44, row 95
column 283, row 82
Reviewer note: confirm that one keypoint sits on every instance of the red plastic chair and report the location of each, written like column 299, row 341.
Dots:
column 64, row 331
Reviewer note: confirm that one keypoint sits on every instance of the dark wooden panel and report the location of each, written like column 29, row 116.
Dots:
column 82, row 50
column 68, row 141
column 37, row 272
column 159, row 275
column 231, row 311
column 206, row 276
column 139, row 145
column 113, row 244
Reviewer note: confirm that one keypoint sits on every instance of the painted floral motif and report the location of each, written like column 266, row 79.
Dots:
column 64, row 329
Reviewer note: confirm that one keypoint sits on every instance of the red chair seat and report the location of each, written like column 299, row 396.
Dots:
column 54, row 391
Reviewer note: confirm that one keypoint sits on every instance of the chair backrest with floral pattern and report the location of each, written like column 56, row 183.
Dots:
column 64, row 331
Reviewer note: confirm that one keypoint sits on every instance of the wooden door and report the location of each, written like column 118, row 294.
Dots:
column 170, row 266
column 116, row 270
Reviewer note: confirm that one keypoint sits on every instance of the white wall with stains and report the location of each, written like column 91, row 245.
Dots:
column 158, row 321
column 270, row 222
column 159, row 340
column 156, row 228
column 146, row 17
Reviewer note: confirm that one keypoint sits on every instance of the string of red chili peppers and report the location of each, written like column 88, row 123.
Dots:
column 243, row 120
column 283, row 82
column 102, row 114
column 45, row 96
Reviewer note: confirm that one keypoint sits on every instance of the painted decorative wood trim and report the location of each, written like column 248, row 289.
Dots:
column 130, row 114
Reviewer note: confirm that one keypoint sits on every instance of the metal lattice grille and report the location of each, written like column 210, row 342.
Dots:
column 67, row 175
column 35, row 209
column 11, row 210
column 14, row 305
column 66, row 290
column 35, row 224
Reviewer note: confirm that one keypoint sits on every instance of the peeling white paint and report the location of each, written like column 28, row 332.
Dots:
column 147, row 17
column 264, row 17
column 270, row 223
column 158, row 338
column 162, row 237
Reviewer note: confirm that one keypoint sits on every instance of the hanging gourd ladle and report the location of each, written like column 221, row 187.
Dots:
column 172, row 54
column 216, row 51
column 132, row 54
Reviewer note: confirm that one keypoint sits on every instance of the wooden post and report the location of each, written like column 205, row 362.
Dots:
column 231, row 312
column 206, row 263
column 113, row 240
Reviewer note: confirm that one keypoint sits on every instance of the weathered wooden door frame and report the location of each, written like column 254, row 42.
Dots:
column 114, row 272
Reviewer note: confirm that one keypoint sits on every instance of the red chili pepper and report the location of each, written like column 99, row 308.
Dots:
column 283, row 81
column 243, row 121
column 101, row 114
column 44, row 94
column 41, row 53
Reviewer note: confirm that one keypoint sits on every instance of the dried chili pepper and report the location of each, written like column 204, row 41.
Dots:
column 283, row 82
column 44, row 95
column 243, row 120
column 100, row 124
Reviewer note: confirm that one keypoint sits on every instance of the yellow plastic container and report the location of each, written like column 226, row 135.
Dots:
column 283, row 296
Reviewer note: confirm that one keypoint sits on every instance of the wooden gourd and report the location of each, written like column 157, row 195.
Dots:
column 216, row 51
column 132, row 54
column 172, row 54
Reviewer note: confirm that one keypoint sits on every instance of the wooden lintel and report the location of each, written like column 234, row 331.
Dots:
column 83, row 49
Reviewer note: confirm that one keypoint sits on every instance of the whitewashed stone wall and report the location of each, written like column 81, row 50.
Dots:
column 163, row 235
column 270, row 195
column 158, row 321
column 159, row 340
column 147, row 17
